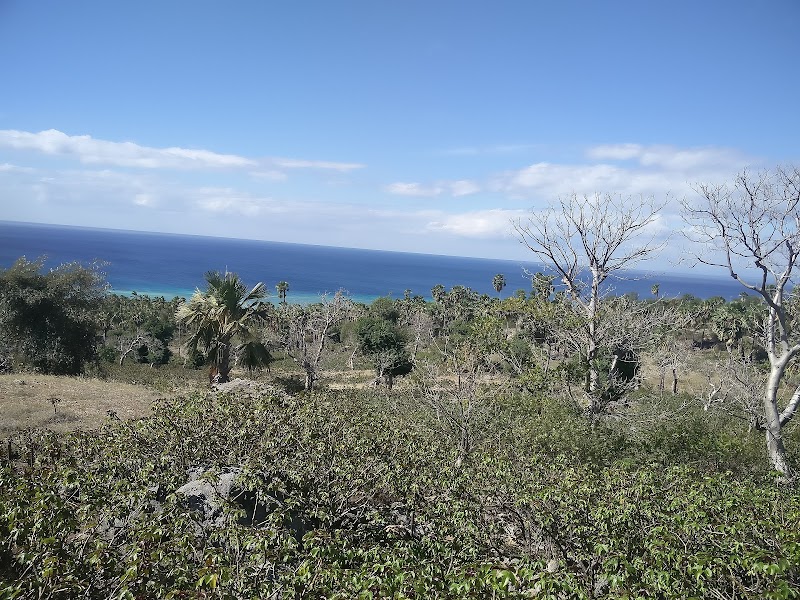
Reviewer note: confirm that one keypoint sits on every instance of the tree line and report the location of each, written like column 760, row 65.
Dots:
column 564, row 336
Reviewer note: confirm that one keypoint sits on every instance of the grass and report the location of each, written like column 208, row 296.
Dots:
column 83, row 403
column 129, row 391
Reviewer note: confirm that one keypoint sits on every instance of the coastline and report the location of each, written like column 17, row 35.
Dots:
column 172, row 265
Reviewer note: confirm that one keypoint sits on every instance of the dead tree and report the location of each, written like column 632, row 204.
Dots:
column 304, row 331
column 752, row 230
column 586, row 240
column 455, row 387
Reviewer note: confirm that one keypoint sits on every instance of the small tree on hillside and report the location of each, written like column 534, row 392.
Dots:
column 499, row 282
column 586, row 240
column 752, row 230
column 303, row 331
column 454, row 383
column 224, row 321
column 282, row 288
column 384, row 344
column 138, row 322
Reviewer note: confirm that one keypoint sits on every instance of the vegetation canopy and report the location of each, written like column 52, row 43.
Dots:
column 48, row 320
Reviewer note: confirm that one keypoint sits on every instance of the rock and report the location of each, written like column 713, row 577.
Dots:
column 601, row 586
column 207, row 492
column 247, row 386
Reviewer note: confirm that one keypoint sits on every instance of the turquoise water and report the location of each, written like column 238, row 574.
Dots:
column 173, row 265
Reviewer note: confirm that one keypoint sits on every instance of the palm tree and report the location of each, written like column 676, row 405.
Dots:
column 282, row 288
column 438, row 293
column 222, row 315
column 499, row 282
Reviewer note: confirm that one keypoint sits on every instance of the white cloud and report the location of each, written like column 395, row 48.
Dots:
column 551, row 180
column 230, row 201
column 461, row 187
column 670, row 157
column 614, row 152
column 652, row 170
column 692, row 159
column 9, row 168
column 627, row 169
column 144, row 200
column 222, row 204
column 493, row 223
column 412, row 189
column 89, row 150
column 270, row 175
column 464, row 187
column 293, row 163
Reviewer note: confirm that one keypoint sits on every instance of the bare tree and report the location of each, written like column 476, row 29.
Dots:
column 303, row 331
column 140, row 337
column 415, row 316
column 734, row 387
column 456, row 387
column 752, row 230
column 587, row 239
column 670, row 355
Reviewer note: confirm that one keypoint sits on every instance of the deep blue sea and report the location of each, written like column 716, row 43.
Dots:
column 170, row 265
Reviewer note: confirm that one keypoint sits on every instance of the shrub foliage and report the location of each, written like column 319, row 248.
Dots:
column 362, row 500
column 48, row 320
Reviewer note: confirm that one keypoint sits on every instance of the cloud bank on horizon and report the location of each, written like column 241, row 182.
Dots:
column 80, row 175
column 382, row 126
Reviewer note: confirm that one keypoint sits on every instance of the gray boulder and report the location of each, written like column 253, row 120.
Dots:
column 208, row 491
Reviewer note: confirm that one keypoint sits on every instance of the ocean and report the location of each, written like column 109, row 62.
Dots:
column 169, row 265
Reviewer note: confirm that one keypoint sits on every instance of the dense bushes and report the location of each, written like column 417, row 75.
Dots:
column 48, row 321
column 364, row 501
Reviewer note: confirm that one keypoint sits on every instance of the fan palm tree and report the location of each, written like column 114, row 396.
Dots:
column 499, row 282
column 282, row 288
column 223, row 319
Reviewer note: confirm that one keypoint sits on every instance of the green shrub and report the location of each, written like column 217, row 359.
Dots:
column 364, row 501
column 49, row 321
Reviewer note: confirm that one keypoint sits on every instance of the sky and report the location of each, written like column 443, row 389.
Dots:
column 422, row 126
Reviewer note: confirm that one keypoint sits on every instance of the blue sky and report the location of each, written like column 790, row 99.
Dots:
column 418, row 125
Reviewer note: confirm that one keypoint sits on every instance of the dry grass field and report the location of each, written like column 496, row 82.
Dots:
column 26, row 401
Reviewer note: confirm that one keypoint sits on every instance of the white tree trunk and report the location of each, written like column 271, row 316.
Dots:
column 772, row 425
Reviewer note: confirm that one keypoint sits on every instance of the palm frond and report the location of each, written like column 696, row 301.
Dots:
column 253, row 355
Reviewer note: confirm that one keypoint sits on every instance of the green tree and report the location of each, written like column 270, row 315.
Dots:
column 385, row 345
column 136, row 322
column 729, row 322
column 655, row 289
column 499, row 282
column 543, row 285
column 49, row 321
column 384, row 308
column 223, row 321
column 282, row 288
